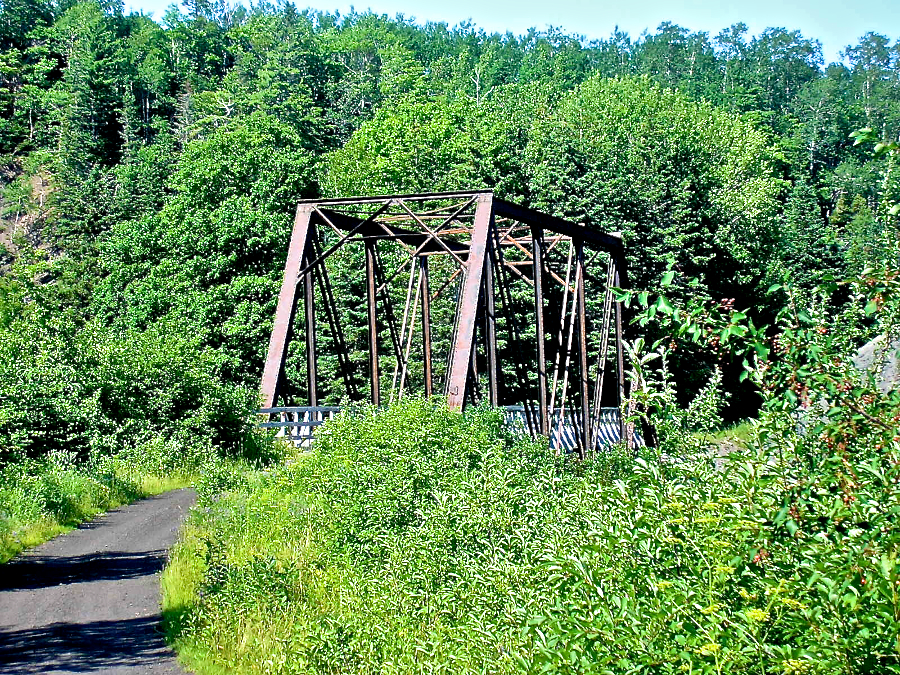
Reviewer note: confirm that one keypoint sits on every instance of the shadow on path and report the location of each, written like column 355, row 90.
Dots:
column 88, row 601
column 81, row 647
column 38, row 571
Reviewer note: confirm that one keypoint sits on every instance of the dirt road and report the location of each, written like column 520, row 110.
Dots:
column 88, row 601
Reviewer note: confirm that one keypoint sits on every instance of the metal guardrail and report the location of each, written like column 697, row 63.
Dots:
column 297, row 424
column 565, row 427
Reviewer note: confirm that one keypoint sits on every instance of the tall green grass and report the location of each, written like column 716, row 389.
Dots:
column 409, row 537
column 43, row 497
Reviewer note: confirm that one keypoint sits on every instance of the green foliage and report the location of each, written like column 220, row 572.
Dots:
column 696, row 186
column 38, row 499
column 809, row 246
column 210, row 260
column 407, row 534
column 692, row 184
column 99, row 389
column 801, row 577
column 419, row 535
column 150, row 172
column 415, row 146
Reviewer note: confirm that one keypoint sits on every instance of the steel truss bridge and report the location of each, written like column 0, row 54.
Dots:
column 458, row 293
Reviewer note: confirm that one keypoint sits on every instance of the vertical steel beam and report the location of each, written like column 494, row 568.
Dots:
column 582, row 353
column 537, row 240
column 620, row 355
column 371, row 289
column 468, row 309
column 490, row 332
column 426, row 324
column 273, row 372
column 310, row 307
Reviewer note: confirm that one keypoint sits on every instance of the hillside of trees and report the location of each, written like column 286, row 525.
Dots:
column 149, row 171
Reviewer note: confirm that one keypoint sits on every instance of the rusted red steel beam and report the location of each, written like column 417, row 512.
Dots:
column 537, row 240
column 593, row 238
column 273, row 372
column 426, row 326
column 468, row 308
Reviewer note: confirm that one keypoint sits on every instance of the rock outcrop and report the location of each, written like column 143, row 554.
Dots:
column 883, row 355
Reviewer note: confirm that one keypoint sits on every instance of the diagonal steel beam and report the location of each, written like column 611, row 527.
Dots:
column 453, row 216
column 468, row 309
column 373, row 231
column 356, row 228
column 432, row 233
column 273, row 372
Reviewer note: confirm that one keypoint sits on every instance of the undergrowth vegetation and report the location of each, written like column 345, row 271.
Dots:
column 418, row 539
column 408, row 535
column 93, row 416
column 45, row 496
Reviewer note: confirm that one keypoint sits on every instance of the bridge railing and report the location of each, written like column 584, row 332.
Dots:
column 565, row 427
column 297, row 424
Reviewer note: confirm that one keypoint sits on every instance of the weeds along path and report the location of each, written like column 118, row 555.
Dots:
column 88, row 601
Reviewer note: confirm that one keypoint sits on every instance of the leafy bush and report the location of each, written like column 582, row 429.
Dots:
column 97, row 389
column 786, row 561
column 422, row 537
column 208, row 264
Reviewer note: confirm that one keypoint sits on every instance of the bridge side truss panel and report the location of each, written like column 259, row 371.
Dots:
column 534, row 323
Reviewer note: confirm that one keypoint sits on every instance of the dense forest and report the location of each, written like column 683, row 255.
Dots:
column 149, row 171
column 149, row 174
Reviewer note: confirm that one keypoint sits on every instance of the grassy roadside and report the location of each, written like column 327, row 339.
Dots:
column 405, row 537
column 43, row 500
column 737, row 434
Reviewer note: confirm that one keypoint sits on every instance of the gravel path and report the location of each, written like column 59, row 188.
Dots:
column 88, row 601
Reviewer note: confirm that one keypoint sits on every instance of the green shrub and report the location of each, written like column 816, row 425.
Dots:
column 418, row 537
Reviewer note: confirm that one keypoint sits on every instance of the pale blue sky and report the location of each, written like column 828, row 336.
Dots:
column 835, row 23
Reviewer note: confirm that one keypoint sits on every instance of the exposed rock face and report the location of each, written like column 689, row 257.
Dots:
column 883, row 355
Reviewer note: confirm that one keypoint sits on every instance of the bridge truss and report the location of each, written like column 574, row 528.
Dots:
column 465, row 295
